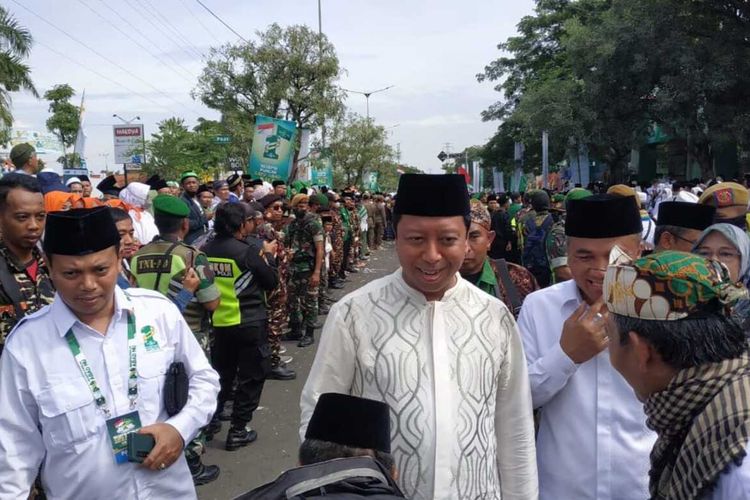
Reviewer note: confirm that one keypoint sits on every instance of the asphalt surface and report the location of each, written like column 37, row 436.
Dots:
column 277, row 418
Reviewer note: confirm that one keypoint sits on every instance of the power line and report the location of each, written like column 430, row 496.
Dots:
column 222, row 21
column 114, row 63
column 192, row 13
column 137, row 42
column 172, row 27
column 146, row 37
column 141, row 11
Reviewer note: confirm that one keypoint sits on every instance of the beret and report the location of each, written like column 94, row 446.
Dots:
column 166, row 204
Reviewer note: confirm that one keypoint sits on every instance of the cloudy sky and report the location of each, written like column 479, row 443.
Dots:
column 143, row 57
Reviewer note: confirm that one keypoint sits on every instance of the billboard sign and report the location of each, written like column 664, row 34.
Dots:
column 128, row 140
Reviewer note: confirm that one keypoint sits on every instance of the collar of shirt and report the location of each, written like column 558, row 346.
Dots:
column 63, row 318
column 418, row 296
column 487, row 280
column 570, row 292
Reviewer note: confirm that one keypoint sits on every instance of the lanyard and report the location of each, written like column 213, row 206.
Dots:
column 83, row 365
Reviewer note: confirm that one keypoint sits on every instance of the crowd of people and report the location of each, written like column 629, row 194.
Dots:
column 589, row 344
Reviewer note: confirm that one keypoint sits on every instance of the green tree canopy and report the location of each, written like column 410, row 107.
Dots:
column 358, row 146
column 15, row 46
column 65, row 118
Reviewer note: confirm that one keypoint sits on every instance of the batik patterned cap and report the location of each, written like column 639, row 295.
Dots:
column 667, row 286
column 480, row 215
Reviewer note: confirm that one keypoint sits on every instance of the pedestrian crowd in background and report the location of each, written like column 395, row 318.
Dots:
column 583, row 344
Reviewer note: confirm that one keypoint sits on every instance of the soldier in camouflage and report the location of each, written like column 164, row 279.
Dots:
column 304, row 239
column 273, row 206
column 337, row 241
column 319, row 204
column 25, row 285
column 164, row 265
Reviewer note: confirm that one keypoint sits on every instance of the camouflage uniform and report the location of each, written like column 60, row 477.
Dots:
column 155, row 260
column 354, row 228
column 277, row 299
column 301, row 238
column 34, row 294
column 337, row 241
column 556, row 245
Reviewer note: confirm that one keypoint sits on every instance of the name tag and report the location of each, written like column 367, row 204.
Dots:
column 154, row 264
column 118, row 429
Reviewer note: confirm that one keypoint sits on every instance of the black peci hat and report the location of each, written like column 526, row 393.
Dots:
column 685, row 214
column 603, row 216
column 351, row 421
column 80, row 231
column 426, row 195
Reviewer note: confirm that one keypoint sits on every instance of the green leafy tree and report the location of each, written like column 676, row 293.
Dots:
column 358, row 146
column 287, row 73
column 65, row 119
column 15, row 75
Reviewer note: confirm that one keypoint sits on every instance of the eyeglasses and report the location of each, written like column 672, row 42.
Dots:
column 277, row 207
column 721, row 255
column 692, row 242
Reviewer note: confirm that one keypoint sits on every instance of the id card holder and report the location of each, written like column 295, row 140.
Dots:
column 118, row 429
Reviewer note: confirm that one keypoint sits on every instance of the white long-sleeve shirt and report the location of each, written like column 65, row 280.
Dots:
column 593, row 442
column 454, row 376
column 48, row 414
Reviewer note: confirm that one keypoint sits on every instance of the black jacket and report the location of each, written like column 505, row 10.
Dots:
column 340, row 479
column 198, row 221
column 260, row 277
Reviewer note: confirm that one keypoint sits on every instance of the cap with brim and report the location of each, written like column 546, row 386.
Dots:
column 428, row 195
column 80, row 231
column 725, row 194
column 603, row 216
column 685, row 214
column 20, row 154
column 351, row 421
column 166, row 204
column 187, row 175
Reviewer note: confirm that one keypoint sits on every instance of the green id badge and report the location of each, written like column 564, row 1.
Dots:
column 118, row 429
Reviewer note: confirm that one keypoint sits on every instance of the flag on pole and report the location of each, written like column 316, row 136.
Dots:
column 80, row 144
column 545, row 159
column 461, row 170
column 475, row 177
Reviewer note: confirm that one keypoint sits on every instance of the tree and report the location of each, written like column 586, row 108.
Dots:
column 358, row 146
column 65, row 119
column 288, row 73
column 15, row 46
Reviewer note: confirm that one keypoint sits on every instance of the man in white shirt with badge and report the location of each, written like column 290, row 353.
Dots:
column 592, row 442
column 443, row 354
column 80, row 374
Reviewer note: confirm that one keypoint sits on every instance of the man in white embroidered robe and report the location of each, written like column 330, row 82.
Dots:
column 445, row 356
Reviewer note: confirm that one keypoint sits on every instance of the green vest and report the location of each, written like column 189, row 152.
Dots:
column 153, row 267
column 226, row 274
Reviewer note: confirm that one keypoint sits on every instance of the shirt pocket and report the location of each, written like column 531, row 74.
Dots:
column 68, row 415
column 152, row 371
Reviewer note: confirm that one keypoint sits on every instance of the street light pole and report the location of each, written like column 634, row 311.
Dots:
column 367, row 96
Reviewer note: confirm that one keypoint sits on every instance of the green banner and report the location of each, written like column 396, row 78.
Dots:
column 273, row 148
column 371, row 182
column 321, row 172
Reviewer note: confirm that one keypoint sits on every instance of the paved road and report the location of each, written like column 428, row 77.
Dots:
column 277, row 419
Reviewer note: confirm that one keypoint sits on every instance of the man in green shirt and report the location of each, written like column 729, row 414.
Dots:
column 162, row 265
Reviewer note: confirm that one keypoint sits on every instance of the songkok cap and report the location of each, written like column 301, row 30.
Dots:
column 480, row 215
column 166, row 204
column 351, row 421
column 603, row 216
column 725, row 194
column 234, row 180
column 84, row 178
column 299, row 198
column 257, row 182
column 73, row 180
column 80, row 231
column 540, row 201
column 21, row 154
column 427, row 195
column 220, row 184
column 203, row 188
column 156, row 183
column 326, row 218
column 491, row 197
column 188, row 174
column 623, row 190
column 687, row 215
column 668, row 286
column 278, row 182
column 107, row 186
column 269, row 200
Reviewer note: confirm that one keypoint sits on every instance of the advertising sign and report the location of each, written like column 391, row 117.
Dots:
column 273, row 148
column 128, row 140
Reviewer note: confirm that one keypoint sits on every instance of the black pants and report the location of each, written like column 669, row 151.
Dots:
column 345, row 260
column 242, row 353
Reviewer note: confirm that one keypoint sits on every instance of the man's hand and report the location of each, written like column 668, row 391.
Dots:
column 192, row 281
column 270, row 246
column 315, row 280
column 168, row 448
column 584, row 335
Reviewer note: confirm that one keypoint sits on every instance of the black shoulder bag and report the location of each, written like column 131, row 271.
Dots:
column 510, row 288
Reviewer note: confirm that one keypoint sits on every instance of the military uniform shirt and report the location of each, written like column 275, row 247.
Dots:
column 49, row 416
column 301, row 236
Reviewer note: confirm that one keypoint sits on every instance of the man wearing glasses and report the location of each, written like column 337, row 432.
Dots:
column 680, row 225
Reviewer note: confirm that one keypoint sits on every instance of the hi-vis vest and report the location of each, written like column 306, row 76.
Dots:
column 231, row 281
column 154, row 268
